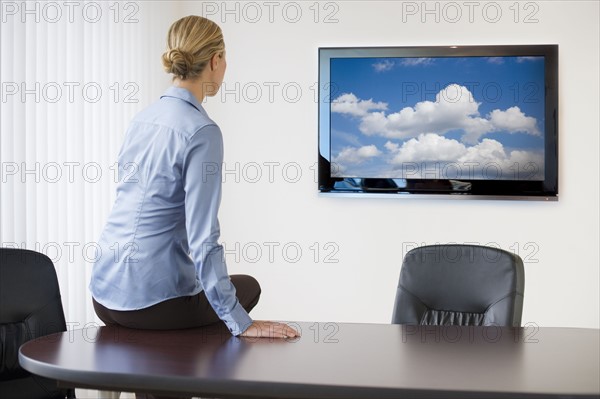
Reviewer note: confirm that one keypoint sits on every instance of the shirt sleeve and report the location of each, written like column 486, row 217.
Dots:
column 201, row 171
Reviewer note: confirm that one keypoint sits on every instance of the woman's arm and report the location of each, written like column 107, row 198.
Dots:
column 201, row 174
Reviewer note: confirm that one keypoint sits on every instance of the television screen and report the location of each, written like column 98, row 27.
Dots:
column 476, row 120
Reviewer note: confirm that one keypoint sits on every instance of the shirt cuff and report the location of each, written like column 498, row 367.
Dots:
column 238, row 320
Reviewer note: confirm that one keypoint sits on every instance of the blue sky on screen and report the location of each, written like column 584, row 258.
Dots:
column 466, row 117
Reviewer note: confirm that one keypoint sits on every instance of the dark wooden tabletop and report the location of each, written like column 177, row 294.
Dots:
column 330, row 360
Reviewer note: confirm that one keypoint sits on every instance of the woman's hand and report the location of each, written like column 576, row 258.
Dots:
column 270, row 329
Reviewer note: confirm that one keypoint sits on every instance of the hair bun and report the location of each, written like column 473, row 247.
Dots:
column 178, row 62
column 191, row 43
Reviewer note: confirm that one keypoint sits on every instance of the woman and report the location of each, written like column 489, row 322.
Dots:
column 161, row 266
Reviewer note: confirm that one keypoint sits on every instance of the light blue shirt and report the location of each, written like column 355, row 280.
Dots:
column 161, row 238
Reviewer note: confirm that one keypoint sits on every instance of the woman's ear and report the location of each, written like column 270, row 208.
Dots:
column 214, row 61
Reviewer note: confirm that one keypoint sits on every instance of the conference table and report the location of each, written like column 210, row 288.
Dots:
column 329, row 360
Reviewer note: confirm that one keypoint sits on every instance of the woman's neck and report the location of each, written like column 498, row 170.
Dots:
column 197, row 87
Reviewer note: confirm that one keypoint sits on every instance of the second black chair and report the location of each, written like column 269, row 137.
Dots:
column 460, row 285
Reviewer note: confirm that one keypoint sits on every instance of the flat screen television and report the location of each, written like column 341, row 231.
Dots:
column 467, row 121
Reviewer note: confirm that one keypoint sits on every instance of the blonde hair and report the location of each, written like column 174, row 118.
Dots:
column 191, row 43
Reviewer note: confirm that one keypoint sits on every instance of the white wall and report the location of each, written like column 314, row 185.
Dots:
column 558, row 241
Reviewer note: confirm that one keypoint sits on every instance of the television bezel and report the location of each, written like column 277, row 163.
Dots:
column 429, row 188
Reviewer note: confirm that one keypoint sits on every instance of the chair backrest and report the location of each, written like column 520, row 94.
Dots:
column 460, row 285
column 30, row 307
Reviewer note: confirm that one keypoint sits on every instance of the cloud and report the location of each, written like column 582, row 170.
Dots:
column 485, row 152
column 490, row 159
column 356, row 155
column 344, row 137
column 429, row 147
column 383, row 66
column 495, row 60
column 431, row 153
column 348, row 103
column 387, row 65
column 391, row 147
column 513, row 120
column 454, row 109
column 416, row 61
column 526, row 59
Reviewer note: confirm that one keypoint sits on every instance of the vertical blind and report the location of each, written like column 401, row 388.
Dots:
column 72, row 76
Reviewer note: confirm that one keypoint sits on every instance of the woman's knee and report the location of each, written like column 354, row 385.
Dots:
column 248, row 290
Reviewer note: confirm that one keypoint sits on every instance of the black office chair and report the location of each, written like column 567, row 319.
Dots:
column 30, row 307
column 460, row 285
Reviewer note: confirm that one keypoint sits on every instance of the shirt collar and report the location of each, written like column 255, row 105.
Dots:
column 185, row 95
